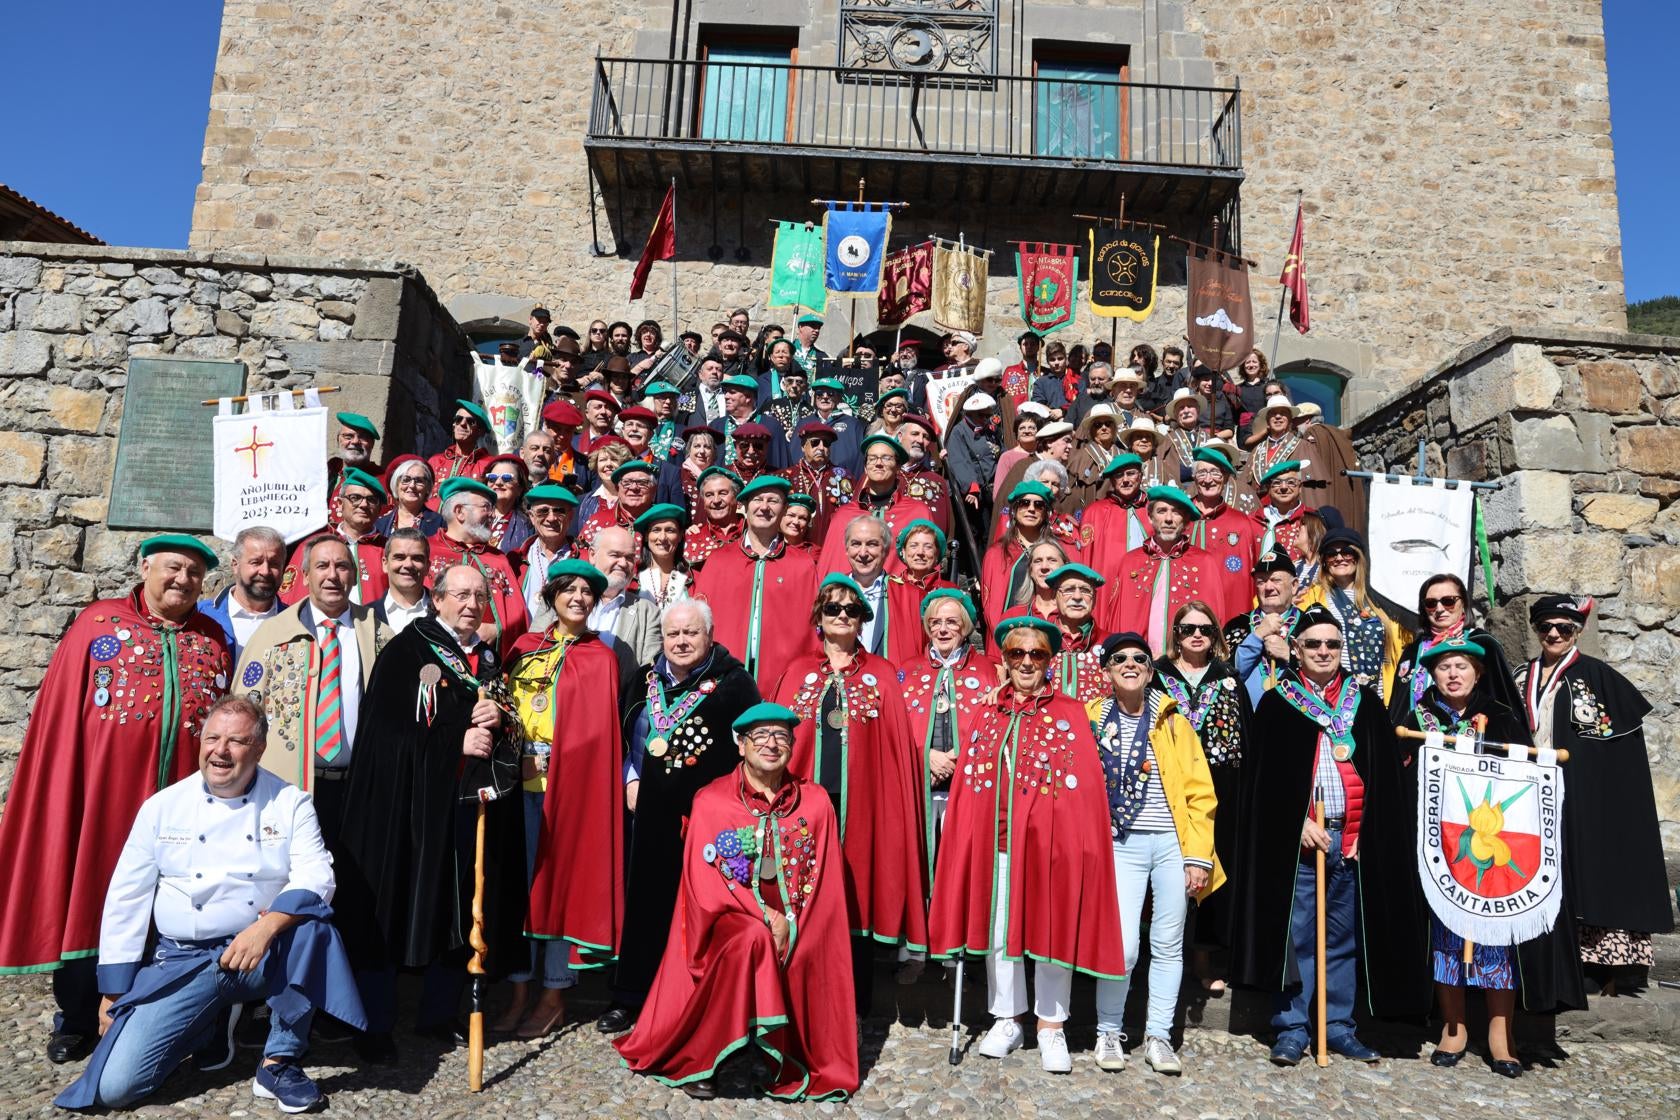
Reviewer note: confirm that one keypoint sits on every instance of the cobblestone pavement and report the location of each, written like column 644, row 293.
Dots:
column 577, row 1073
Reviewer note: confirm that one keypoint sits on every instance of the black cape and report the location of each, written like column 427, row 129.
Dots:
column 1496, row 680
column 663, row 801
column 1224, row 735
column 1612, row 843
column 406, row 868
column 1549, row 975
column 1277, row 785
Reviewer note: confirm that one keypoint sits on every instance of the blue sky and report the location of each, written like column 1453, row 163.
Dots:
column 106, row 104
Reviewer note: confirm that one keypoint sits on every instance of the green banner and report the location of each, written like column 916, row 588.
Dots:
column 796, row 269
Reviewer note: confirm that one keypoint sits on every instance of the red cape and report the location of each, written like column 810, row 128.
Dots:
column 370, row 570
column 880, row 812
column 1110, row 530
column 787, row 588
column 577, row 892
column 601, row 517
column 1194, row 575
column 898, row 513
column 1077, row 671
column 974, row 677
column 905, row 636
column 507, row 598
column 996, row 571
column 90, row 757
column 720, row 983
column 702, row 538
column 832, row 488
column 1062, row 903
column 931, row 489
column 1232, row 538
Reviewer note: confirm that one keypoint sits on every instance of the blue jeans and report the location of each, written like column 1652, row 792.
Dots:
column 548, row 957
column 1292, row 1009
column 161, row 1033
column 1144, row 861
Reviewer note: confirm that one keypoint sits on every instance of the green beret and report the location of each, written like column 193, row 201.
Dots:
column 1029, row 622
column 922, row 523
column 764, row 712
column 1170, row 493
column 1460, row 644
column 661, row 389
column 634, row 466
column 840, row 579
column 1121, row 462
column 765, row 482
column 742, row 382
column 355, row 476
column 1076, row 571
column 356, row 422
column 957, row 595
column 832, row 384
column 881, row 437
column 565, row 569
column 1282, row 468
column 715, row 471
column 1030, row 490
column 461, row 485
column 1217, row 458
column 901, row 394
column 476, row 411
column 809, row 320
column 664, row 511
column 181, row 542
column 804, row 500
column 550, row 492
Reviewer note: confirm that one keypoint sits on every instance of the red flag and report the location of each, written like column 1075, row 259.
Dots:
column 661, row 242
column 1295, row 276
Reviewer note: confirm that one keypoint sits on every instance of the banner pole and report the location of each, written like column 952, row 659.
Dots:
column 676, row 325
column 1277, row 330
column 1320, row 995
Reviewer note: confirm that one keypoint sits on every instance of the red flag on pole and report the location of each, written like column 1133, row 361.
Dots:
column 661, row 242
column 1295, row 276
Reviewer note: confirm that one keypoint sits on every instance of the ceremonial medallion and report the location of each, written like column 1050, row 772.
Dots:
column 942, row 704
column 101, row 698
column 837, row 719
column 1341, row 753
column 430, row 674
column 539, row 702
column 658, row 746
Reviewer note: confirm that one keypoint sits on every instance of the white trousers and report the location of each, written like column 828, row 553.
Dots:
column 1006, row 980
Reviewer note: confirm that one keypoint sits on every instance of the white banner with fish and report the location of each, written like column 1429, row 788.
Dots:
column 1417, row 530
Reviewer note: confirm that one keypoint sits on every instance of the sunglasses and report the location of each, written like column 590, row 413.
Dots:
column 1031, row 503
column 1035, row 656
column 1188, row 629
column 1321, row 643
column 1135, row 657
column 1337, row 553
column 501, row 478
column 597, row 330
column 835, row 610
column 1447, row 601
column 464, row 421
column 1564, row 629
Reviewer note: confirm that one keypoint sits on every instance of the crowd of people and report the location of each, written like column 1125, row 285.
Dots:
column 763, row 689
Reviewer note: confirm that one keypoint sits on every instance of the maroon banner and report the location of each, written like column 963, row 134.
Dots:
column 1048, row 277
column 906, row 285
column 1219, row 313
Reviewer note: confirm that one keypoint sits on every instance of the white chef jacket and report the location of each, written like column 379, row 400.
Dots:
column 206, row 867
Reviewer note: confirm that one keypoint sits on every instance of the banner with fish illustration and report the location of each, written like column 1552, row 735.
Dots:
column 1417, row 530
column 1490, row 850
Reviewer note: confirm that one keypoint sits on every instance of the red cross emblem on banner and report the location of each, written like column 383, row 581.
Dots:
column 255, row 447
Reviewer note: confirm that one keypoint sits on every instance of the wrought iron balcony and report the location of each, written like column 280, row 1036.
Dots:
column 768, row 126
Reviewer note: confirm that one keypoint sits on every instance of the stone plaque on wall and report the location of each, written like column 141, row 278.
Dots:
column 164, row 474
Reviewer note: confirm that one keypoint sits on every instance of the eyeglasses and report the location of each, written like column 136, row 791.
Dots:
column 1136, row 657
column 412, row 481
column 357, row 499
column 501, row 478
column 543, row 513
column 1321, row 643
column 1564, row 629
column 467, row 596
column 835, row 610
column 1031, row 503
column 1447, row 601
column 635, row 484
column 765, row 738
column 1189, row 629
column 1035, row 656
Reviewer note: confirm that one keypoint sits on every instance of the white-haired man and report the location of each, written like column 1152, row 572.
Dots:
column 467, row 506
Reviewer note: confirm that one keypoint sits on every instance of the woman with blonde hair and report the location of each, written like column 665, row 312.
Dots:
column 1371, row 641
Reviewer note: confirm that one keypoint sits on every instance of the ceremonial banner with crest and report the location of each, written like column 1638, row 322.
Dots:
column 907, row 288
column 269, row 466
column 1490, row 847
column 1220, row 314
column 1124, row 264
column 856, row 241
column 959, row 288
column 943, row 394
column 1047, row 279
column 796, row 269
column 1417, row 530
column 513, row 396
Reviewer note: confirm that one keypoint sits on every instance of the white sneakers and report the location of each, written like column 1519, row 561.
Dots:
column 1003, row 1039
column 1158, row 1052
column 1053, row 1051
column 1110, row 1056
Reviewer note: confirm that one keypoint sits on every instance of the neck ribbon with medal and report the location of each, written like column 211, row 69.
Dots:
column 665, row 718
column 1186, row 700
column 431, row 679
column 1336, row 722
column 1123, row 764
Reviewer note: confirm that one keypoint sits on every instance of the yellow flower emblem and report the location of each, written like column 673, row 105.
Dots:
column 1482, row 843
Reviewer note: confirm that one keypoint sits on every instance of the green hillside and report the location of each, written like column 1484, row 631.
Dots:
column 1655, row 316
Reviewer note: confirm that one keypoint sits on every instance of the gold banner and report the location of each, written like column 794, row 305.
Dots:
column 959, row 289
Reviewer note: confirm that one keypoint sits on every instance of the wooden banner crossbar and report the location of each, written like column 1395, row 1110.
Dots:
column 1493, row 747
column 275, row 393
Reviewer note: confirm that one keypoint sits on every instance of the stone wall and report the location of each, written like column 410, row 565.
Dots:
column 1583, row 430
column 1455, row 157
column 70, row 319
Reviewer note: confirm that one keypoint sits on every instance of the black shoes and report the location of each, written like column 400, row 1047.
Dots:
column 1510, row 1069
column 701, row 1090
column 1446, row 1059
column 448, row 1035
column 617, row 1020
column 65, row 1046
column 375, row 1048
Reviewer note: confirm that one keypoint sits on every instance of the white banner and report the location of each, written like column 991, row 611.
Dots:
column 1490, row 843
column 513, row 396
column 270, row 469
column 1417, row 531
column 942, row 395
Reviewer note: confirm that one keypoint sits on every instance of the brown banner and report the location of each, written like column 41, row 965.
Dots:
column 1219, row 314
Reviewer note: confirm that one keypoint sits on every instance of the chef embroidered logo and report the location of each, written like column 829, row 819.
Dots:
column 1490, row 848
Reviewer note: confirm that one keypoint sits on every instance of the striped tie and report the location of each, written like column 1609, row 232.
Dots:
column 329, row 713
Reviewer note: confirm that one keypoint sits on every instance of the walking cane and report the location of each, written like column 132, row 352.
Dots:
column 956, row 1014
column 475, row 966
column 1320, row 996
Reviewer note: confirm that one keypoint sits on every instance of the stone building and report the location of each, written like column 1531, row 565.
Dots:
column 1453, row 158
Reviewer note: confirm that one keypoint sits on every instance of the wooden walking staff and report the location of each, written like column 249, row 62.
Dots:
column 1320, row 996
column 475, row 965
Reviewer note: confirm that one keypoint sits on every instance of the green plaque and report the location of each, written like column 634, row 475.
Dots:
column 164, row 477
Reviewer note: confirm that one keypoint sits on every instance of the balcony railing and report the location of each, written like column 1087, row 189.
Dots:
column 785, row 108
